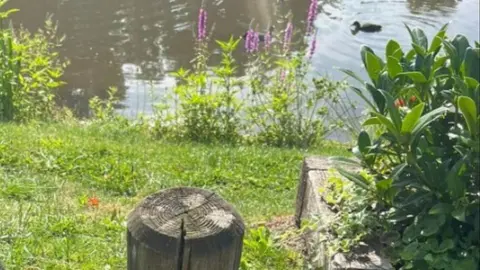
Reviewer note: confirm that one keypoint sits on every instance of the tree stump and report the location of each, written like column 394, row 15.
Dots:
column 184, row 228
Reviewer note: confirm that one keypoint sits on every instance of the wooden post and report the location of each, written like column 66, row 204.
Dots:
column 184, row 228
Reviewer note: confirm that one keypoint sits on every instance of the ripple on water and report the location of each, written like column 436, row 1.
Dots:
column 337, row 47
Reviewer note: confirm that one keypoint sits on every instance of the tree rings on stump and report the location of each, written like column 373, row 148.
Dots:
column 184, row 228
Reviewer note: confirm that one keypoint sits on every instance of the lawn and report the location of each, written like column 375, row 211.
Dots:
column 48, row 173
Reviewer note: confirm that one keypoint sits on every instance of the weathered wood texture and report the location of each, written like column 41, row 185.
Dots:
column 184, row 228
column 311, row 206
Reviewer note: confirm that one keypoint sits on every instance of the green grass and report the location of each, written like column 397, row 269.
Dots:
column 48, row 172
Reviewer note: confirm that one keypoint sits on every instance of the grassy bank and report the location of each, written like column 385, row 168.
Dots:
column 48, row 172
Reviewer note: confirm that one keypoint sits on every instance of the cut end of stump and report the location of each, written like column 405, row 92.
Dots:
column 187, row 213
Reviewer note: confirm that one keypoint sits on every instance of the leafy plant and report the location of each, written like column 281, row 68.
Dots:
column 425, row 157
column 104, row 110
column 261, row 252
column 30, row 71
column 275, row 104
column 355, row 216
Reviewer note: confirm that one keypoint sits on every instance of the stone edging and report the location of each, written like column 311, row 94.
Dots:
column 310, row 205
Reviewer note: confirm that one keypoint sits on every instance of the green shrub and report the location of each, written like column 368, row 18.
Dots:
column 261, row 251
column 284, row 109
column 274, row 104
column 423, row 156
column 30, row 71
column 208, row 109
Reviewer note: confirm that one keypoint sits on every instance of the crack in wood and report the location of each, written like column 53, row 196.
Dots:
column 181, row 246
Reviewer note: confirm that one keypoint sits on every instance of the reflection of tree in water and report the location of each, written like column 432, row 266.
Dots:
column 443, row 6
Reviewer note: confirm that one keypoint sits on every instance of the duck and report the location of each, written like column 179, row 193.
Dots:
column 366, row 27
column 261, row 37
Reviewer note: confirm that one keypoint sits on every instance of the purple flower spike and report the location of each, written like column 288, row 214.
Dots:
column 249, row 40
column 202, row 24
column 268, row 40
column 313, row 46
column 204, row 30
column 255, row 41
column 287, row 37
column 312, row 14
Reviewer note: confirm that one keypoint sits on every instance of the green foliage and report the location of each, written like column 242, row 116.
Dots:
column 284, row 109
column 355, row 219
column 48, row 172
column 104, row 110
column 425, row 160
column 30, row 71
column 207, row 109
column 260, row 251
column 274, row 105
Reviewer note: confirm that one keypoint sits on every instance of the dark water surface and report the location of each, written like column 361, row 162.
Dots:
column 133, row 44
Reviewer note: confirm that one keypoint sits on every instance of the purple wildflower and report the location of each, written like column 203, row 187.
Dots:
column 268, row 40
column 249, row 41
column 202, row 24
column 288, row 36
column 255, row 42
column 312, row 14
column 313, row 46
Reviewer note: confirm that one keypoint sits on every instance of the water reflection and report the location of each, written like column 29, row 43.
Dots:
column 443, row 6
column 124, row 42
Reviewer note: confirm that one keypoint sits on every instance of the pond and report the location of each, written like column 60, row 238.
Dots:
column 134, row 44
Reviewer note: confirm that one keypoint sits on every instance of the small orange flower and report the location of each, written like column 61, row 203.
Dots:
column 413, row 99
column 93, row 201
column 399, row 102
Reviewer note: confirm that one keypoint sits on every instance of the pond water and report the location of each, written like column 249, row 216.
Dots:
column 133, row 44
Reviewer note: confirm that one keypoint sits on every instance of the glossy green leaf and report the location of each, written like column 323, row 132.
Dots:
column 377, row 97
column 469, row 110
column 426, row 119
column 394, row 50
column 472, row 63
column 415, row 76
column 412, row 117
column 460, row 42
column 374, row 66
column 345, row 160
column 384, row 185
column 363, row 53
column 410, row 55
column 465, row 264
column 419, row 49
column 420, row 38
column 384, row 80
column 397, row 171
column 437, row 40
column 453, row 54
column 455, row 184
column 441, row 208
column 431, row 224
column 408, row 252
column 394, row 67
column 459, row 213
column 363, row 142
column 372, row 121
column 388, row 124
column 439, row 62
column 471, row 82
column 393, row 110
column 355, row 178
column 446, row 245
